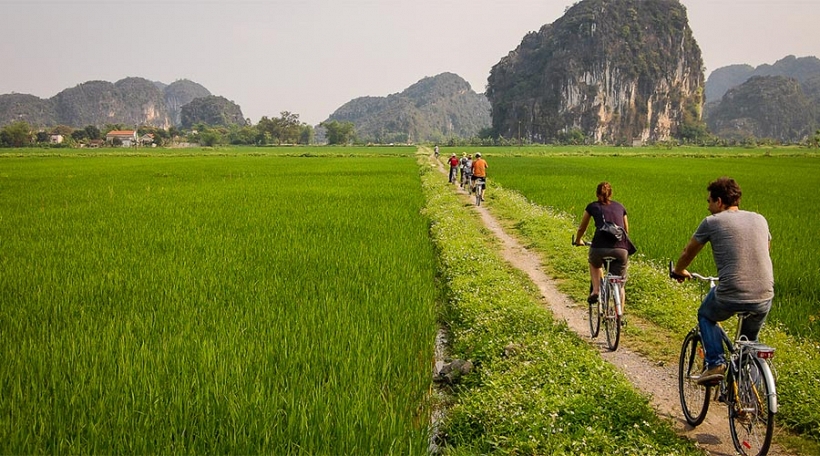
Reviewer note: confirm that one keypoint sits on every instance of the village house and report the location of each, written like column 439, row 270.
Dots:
column 127, row 137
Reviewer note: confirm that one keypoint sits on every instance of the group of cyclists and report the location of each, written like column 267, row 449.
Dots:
column 467, row 171
column 740, row 246
column 740, row 243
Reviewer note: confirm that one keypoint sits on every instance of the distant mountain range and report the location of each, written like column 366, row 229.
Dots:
column 434, row 109
column 129, row 101
column 778, row 101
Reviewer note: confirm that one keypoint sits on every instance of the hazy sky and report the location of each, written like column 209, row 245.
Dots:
column 311, row 56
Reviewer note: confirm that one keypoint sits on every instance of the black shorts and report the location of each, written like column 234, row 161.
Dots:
column 617, row 267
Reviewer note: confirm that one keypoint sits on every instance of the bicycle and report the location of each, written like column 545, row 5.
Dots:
column 480, row 183
column 609, row 307
column 748, row 387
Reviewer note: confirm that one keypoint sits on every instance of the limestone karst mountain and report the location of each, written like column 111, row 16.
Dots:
column 433, row 109
column 615, row 71
column 129, row 101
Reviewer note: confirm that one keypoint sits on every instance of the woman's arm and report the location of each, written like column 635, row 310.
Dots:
column 582, row 228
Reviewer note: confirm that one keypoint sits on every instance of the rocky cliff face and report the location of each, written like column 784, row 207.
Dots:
column 180, row 93
column 774, row 107
column 615, row 70
column 130, row 101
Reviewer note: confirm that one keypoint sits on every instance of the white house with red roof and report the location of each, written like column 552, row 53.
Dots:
column 127, row 137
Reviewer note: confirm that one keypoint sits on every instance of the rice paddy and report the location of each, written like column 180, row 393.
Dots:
column 241, row 304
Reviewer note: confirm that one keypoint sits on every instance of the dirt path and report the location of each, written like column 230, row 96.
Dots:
column 659, row 383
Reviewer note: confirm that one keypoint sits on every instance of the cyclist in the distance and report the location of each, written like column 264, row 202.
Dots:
column 453, row 162
column 480, row 171
column 740, row 246
column 468, row 174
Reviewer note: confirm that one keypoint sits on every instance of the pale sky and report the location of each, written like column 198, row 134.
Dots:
column 311, row 56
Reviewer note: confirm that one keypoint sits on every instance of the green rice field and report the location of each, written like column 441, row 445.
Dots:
column 666, row 199
column 234, row 304
column 285, row 300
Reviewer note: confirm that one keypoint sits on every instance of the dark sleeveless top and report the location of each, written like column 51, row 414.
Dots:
column 613, row 212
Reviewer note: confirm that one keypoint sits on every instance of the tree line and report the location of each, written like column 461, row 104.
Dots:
column 285, row 129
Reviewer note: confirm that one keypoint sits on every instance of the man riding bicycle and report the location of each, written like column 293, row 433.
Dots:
column 740, row 246
column 453, row 162
column 479, row 172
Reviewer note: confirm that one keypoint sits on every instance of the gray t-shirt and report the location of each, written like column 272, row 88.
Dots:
column 740, row 244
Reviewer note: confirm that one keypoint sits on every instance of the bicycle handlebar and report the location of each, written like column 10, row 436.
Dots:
column 585, row 244
column 694, row 275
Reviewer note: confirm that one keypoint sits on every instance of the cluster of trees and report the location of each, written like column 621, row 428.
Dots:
column 285, row 129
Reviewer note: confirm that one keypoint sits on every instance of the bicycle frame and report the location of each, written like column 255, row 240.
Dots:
column 616, row 282
column 741, row 347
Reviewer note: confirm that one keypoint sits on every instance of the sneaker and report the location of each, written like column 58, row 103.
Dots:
column 712, row 375
column 592, row 299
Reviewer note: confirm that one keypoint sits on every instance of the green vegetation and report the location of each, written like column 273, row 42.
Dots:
column 549, row 394
column 214, row 305
column 280, row 151
column 261, row 300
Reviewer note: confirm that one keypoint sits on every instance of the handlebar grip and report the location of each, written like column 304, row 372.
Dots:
column 672, row 274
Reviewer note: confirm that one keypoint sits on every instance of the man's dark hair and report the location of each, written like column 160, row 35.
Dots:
column 726, row 189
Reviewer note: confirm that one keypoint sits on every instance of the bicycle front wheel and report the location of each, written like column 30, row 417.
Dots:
column 595, row 316
column 612, row 321
column 694, row 398
column 750, row 419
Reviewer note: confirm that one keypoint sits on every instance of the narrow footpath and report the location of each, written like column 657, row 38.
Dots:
column 659, row 383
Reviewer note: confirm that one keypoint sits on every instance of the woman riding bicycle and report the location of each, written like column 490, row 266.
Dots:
column 609, row 210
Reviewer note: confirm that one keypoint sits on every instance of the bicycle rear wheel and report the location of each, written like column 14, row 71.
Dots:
column 612, row 321
column 694, row 398
column 750, row 420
